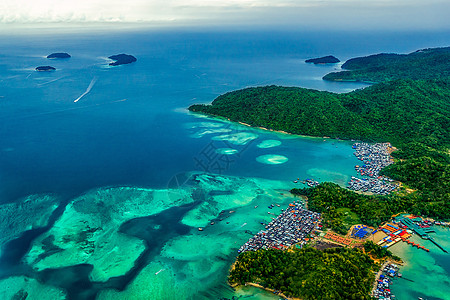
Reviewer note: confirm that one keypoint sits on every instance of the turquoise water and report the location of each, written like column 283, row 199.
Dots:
column 102, row 196
column 427, row 274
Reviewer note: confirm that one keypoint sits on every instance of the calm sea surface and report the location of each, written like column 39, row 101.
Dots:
column 105, row 177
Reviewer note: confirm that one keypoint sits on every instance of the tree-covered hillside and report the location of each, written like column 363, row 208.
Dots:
column 422, row 64
column 400, row 111
column 413, row 115
column 337, row 273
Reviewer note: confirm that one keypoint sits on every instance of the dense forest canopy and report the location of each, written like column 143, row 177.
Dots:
column 400, row 111
column 422, row 64
column 337, row 273
column 378, row 252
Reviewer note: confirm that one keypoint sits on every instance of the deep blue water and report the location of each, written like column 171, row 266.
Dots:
column 51, row 144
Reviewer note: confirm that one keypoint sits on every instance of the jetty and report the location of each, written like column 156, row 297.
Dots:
column 422, row 232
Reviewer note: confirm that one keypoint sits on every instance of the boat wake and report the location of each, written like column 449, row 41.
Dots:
column 87, row 90
column 159, row 271
column 47, row 82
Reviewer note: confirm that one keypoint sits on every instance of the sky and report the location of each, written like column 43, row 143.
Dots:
column 359, row 14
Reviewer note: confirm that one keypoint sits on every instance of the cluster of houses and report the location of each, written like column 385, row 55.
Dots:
column 382, row 289
column 374, row 157
column 291, row 227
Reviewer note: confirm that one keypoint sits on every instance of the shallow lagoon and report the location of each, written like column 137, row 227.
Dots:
column 425, row 274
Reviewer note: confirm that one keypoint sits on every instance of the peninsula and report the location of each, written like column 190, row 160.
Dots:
column 323, row 60
column 122, row 59
column 59, row 55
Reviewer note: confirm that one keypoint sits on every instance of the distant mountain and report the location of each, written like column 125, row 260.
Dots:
column 433, row 63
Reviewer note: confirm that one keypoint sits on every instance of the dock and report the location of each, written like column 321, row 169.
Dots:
column 422, row 232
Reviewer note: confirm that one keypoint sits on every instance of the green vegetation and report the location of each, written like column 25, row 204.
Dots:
column 337, row 273
column 412, row 115
column 378, row 252
column 422, row 64
column 409, row 108
column 401, row 111
column 328, row 198
column 349, row 218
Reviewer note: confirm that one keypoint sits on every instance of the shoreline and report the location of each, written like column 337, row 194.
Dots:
column 380, row 271
column 220, row 118
column 270, row 290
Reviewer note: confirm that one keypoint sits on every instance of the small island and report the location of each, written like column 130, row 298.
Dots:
column 45, row 69
column 122, row 59
column 323, row 60
column 59, row 55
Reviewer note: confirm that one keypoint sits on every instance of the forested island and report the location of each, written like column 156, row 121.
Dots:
column 330, row 59
column 45, row 69
column 57, row 55
column 409, row 107
column 122, row 59
column 431, row 63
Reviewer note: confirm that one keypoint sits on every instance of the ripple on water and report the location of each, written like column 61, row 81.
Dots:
column 272, row 159
column 268, row 144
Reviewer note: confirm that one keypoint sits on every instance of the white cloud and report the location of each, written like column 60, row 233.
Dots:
column 384, row 13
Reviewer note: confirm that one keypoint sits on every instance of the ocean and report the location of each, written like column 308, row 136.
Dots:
column 105, row 177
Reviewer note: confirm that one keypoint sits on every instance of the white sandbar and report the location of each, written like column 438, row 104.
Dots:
column 239, row 138
column 272, row 159
column 268, row 144
column 227, row 151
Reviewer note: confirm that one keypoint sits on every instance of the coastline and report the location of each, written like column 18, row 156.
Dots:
column 312, row 137
column 271, row 290
column 380, row 271
column 348, row 80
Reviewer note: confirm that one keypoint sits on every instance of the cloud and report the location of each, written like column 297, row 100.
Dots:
column 382, row 13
